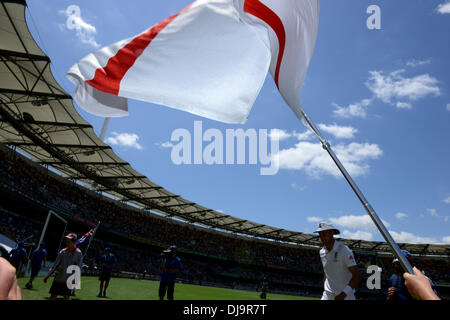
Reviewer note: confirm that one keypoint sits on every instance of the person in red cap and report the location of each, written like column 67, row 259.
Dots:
column 68, row 256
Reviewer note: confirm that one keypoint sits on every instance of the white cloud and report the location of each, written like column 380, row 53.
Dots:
column 354, row 110
column 443, row 8
column 448, row 107
column 125, row 140
column 357, row 235
column 311, row 158
column 339, row 131
column 446, row 200
column 403, row 105
column 401, row 215
column 446, row 240
column 432, row 212
column 396, row 87
column 297, row 187
column 307, row 135
column 166, row 144
column 407, row 237
column 363, row 222
column 415, row 63
column 314, row 219
column 279, row 134
column 84, row 31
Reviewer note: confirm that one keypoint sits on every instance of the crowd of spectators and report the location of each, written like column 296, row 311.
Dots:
column 280, row 262
column 42, row 186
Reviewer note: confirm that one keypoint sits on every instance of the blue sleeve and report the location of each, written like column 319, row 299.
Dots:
column 392, row 281
column 179, row 266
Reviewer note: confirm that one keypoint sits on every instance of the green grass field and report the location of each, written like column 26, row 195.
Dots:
column 130, row 289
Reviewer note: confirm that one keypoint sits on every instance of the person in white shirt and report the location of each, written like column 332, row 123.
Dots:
column 339, row 265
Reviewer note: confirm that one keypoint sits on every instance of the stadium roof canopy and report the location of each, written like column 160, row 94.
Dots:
column 38, row 117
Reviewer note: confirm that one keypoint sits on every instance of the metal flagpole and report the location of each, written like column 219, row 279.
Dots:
column 384, row 232
column 104, row 127
column 92, row 238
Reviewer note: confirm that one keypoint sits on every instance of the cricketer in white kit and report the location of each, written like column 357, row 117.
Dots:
column 339, row 265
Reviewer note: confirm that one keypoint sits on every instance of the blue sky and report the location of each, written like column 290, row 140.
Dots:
column 381, row 98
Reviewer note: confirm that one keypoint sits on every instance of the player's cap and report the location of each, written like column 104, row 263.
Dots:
column 323, row 226
column 173, row 247
column 405, row 253
column 21, row 243
column 107, row 249
column 71, row 236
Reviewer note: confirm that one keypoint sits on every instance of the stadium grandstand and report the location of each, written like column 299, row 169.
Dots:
column 51, row 159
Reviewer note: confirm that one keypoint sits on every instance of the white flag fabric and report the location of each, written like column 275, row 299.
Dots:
column 210, row 59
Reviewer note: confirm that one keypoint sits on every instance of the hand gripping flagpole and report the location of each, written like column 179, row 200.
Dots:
column 385, row 233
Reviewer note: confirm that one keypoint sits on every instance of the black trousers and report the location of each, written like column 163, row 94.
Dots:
column 169, row 286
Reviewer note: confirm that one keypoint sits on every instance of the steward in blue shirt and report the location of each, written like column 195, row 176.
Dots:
column 18, row 256
column 170, row 266
column 37, row 257
column 107, row 263
column 397, row 290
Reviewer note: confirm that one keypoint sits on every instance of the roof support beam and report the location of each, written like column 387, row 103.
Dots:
column 58, row 124
column 231, row 223
column 148, row 198
column 293, row 235
column 255, row 227
column 377, row 245
column 89, row 163
column 200, row 211
column 311, row 238
column 133, row 188
column 266, row 233
column 34, row 57
column 212, row 218
column 353, row 244
column 180, row 205
column 36, row 94
column 58, row 145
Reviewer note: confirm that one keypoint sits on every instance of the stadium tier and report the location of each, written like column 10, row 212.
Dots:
column 210, row 257
column 69, row 170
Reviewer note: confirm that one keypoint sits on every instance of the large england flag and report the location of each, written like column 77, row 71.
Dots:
column 209, row 59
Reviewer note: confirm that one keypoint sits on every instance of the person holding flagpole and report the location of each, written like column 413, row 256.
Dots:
column 67, row 257
column 339, row 265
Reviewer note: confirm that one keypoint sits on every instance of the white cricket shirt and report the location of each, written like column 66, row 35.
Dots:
column 335, row 265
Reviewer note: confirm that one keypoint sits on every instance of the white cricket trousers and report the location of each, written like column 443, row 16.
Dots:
column 330, row 296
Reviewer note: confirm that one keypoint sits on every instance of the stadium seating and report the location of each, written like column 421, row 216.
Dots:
column 137, row 237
